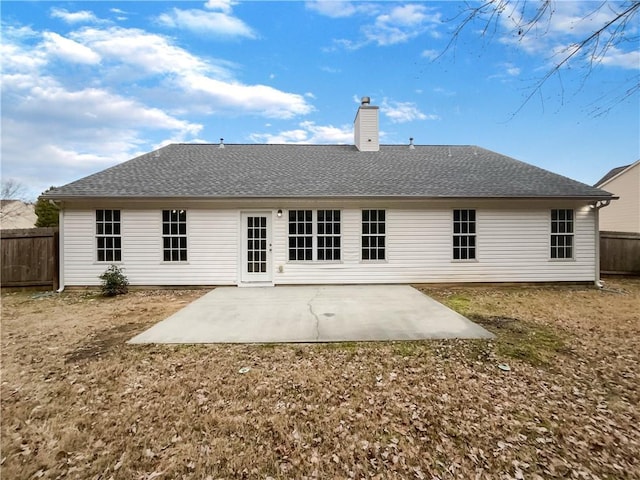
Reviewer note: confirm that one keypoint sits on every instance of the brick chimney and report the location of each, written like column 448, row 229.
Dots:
column 365, row 127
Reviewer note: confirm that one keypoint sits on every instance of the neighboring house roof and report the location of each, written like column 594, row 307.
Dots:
column 17, row 214
column 293, row 171
column 612, row 173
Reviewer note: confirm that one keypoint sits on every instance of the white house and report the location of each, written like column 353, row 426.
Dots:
column 624, row 214
column 328, row 214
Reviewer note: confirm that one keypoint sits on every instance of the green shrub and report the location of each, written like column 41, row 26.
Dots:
column 114, row 282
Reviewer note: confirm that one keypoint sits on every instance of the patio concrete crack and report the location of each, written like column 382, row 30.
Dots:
column 315, row 315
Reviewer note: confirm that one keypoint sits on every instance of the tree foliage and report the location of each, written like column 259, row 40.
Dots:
column 47, row 212
column 601, row 31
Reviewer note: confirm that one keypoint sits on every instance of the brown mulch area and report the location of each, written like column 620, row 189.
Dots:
column 78, row 402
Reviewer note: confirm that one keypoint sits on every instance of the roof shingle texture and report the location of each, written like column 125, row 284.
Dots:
column 237, row 171
column 611, row 173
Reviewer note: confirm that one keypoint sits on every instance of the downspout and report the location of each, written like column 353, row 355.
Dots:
column 60, row 245
column 596, row 227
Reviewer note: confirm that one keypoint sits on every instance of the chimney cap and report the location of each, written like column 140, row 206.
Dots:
column 366, row 100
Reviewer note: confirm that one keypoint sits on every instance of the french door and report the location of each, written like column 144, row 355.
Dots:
column 256, row 248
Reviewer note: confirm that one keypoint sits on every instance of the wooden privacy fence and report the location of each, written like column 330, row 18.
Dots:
column 620, row 253
column 29, row 257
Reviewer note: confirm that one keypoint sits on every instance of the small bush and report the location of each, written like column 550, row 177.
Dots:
column 114, row 282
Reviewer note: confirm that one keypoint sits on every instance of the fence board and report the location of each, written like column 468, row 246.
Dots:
column 29, row 257
column 620, row 253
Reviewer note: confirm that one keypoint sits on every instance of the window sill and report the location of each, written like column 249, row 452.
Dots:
column 373, row 262
column 561, row 260
column 465, row 260
column 107, row 262
column 174, row 263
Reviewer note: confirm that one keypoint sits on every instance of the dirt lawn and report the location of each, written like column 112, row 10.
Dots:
column 77, row 402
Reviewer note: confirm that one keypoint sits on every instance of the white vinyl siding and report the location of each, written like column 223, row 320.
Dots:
column 512, row 245
column 213, row 249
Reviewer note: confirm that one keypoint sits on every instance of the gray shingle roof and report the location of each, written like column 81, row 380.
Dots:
column 236, row 171
column 611, row 173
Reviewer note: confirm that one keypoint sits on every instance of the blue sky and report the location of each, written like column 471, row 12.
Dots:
column 86, row 85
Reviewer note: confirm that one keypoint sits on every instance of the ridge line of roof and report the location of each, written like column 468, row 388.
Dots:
column 319, row 145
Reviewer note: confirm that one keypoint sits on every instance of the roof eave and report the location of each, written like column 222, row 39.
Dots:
column 135, row 198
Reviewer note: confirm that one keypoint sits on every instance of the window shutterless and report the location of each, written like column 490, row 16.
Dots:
column 373, row 235
column 562, row 220
column 314, row 235
column 464, row 234
column 108, row 236
column 174, row 235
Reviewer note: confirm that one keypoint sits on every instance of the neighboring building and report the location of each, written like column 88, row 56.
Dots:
column 328, row 214
column 624, row 214
column 16, row 214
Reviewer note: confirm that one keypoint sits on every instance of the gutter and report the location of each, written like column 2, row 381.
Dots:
column 596, row 227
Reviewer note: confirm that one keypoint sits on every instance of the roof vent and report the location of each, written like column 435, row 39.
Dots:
column 221, row 143
column 411, row 145
column 365, row 101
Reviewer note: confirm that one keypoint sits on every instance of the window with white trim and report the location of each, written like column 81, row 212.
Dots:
column 314, row 235
column 373, row 234
column 300, row 235
column 464, row 234
column 108, row 238
column 174, row 235
column 328, row 223
column 562, row 233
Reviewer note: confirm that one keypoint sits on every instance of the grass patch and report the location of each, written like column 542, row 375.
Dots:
column 536, row 344
column 76, row 401
column 459, row 303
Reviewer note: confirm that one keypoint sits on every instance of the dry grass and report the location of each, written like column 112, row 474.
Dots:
column 79, row 403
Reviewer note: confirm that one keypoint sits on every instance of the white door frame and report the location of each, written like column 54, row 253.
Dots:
column 262, row 262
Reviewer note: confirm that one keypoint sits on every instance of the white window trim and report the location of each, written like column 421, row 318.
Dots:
column 452, row 235
column 551, row 234
column 162, row 235
column 314, row 238
column 96, row 236
column 386, row 243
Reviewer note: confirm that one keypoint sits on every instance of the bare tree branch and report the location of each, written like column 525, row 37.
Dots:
column 535, row 19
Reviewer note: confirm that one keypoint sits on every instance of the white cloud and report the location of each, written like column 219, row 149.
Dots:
column 308, row 133
column 82, row 16
column 69, row 50
column 50, row 132
column 16, row 59
column 57, row 124
column 222, row 5
column 391, row 25
column 430, row 54
column 557, row 34
column 207, row 86
column 403, row 112
column 237, row 97
column 614, row 57
column 222, row 24
column 147, row 52
column 333, row 9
